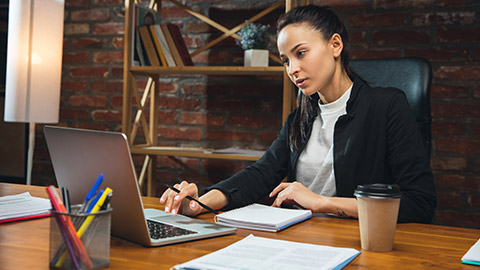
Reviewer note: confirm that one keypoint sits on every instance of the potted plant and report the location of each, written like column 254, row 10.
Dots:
column 254, row 42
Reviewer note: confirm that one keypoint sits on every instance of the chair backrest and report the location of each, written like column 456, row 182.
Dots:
column 412, row 75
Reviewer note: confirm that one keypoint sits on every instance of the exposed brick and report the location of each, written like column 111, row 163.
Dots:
column 457, row 73
column 107, row 86
column 448, row 163
column 198, row 27
column 166, row 162
column 453, row 182
column 189, row 134
column 93, row 126
column 449, row 3
column 73, row 114
column 439, row 54
column 401, row 36
column 168, row 88
column 76, row 57
column 343, row 5
column 458, row 219
column 77, row 3
column 476, row 54
column 194, row 89
column 111, row 28
column 475, row 201
column 88, row 101
column 455, row 110
column 117, row 72
column 448, row 129
column 375, row 53
column 461, row 146
column 193, row 42
column 385, row 4
column 357, row 38
column 229, row 136
column 108, row 2
column 448, row 91
column 196, row 118
column 84, row 43
column 90, row 15
column 474, row 129
column 254, row 121
column 107, row 115
column 179, row 103
column 167, row 117
column 89, row 72
column 116, row 101
column 76, row 28
column 173, row 12
column 476, row 92
column 267, row 136
column 228, row 166
column 118, row 42
column 380, row 19
column 115, row 57
column 74, row 86
column 228, row 105
column 463, row 35
column 437, row 18
column 449, row 200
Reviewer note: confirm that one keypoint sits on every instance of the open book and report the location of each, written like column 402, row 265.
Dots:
column 23, row 206
column 263, row 253
column 262, row 217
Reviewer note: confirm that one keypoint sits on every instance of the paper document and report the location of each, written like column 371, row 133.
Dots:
column 473, row 255
column 252, row 253
column 23, row 205
column 262, row 217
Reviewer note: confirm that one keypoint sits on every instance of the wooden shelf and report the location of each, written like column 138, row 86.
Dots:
column 187, row 152
column 212, row 70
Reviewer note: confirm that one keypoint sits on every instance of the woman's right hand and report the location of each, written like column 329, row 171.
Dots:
column 176, row 203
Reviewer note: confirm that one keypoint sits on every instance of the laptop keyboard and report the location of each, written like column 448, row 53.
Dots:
column 160, row 230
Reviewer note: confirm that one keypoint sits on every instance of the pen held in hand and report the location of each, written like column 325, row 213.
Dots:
column 193, row 199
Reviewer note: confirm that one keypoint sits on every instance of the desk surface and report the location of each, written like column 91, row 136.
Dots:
column 25, row 244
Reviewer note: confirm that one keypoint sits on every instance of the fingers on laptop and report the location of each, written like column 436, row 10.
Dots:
column 174, row 201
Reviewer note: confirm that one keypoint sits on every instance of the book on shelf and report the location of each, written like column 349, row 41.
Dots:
column 180, row 44
column 147, row 42
column 156, row 43
column 262, row 217
column 141, row 54
column 171, row 45
column 254, row 252
column 163, row 46
column 141, row 16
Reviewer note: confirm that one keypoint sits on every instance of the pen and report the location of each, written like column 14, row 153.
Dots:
column 191, row 198
column 92, row 192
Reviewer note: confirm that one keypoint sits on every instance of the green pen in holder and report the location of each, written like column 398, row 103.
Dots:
column 95, row 237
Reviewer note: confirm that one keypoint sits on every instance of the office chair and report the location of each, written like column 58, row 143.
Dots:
column 412, row 75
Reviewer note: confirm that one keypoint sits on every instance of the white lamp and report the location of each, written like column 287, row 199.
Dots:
column 34, row 65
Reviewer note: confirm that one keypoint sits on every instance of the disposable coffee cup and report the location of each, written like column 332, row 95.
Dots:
column 378, row 206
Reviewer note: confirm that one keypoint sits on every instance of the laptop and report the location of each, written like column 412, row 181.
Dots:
column 79, row 156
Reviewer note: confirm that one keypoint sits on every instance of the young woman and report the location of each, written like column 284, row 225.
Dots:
column 344, row 133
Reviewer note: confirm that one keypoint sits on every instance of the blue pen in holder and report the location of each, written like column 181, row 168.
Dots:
column 95, row 237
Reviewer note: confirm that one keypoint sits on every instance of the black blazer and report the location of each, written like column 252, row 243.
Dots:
column 377, row 141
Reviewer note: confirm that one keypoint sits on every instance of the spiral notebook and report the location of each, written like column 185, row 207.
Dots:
column 262, row 217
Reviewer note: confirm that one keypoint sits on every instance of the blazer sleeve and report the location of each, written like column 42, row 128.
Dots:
column 257, row 180
column 409, row 163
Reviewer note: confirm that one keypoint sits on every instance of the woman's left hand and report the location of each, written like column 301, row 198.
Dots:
column 295, row 193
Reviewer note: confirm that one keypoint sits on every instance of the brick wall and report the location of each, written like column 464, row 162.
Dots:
column 218, row 111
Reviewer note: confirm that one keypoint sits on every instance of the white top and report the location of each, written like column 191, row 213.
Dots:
column 315, row 164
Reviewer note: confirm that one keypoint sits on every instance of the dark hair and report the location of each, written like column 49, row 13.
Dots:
column 324, row 20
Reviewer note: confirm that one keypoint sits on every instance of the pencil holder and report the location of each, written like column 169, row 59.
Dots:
column 79, row 240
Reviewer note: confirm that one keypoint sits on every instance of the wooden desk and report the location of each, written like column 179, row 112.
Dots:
column 25, row 244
